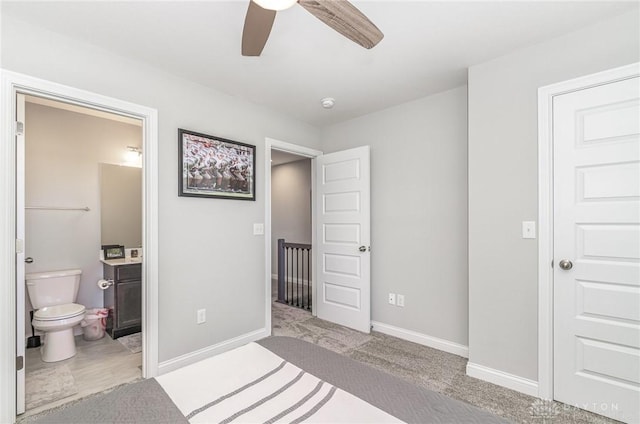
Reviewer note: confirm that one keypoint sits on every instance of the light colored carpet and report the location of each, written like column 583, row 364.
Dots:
column 49, row 385
column 133, row 342
column 430, row 368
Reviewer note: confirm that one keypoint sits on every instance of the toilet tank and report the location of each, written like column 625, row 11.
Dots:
column 52, row 288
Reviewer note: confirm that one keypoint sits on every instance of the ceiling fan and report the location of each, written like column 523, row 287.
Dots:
column 340, row 15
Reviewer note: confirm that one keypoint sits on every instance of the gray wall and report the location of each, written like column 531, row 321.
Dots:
column 503, row 186
column 63, row 153
column 418, row 210
column 207, row 251
column 290, row 205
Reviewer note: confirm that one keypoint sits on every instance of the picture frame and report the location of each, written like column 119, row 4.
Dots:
column 113, row 251
column 215, row 167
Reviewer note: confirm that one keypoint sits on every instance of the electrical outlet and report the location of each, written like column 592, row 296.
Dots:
column 201, row 316
column 258, row 229
column 392, row 298
column 400, row 299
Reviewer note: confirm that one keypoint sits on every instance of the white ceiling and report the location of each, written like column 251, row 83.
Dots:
column 427, row 48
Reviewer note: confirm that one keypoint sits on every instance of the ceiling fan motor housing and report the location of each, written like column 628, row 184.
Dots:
column 275, row 4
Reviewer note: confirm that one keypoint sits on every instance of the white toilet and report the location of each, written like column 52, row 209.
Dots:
column 52, row 294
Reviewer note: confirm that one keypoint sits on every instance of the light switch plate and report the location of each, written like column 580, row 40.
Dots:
column 258, row 229
column 528, row 229
column 201, row 316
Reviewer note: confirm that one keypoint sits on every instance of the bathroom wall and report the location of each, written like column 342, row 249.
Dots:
column 290, row 205
column 63, row 152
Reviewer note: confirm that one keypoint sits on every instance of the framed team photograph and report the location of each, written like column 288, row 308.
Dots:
column 113, row 251
column 215, row 167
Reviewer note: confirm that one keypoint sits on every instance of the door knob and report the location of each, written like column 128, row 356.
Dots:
column 566, row 264
column 29, row 260
column 362, row 249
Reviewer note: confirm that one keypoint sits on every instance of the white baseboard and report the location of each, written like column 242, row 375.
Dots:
column 501, row 378
column 209, row 351
column 423, row 339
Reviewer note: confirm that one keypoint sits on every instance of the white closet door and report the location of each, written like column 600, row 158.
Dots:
column 597, row 249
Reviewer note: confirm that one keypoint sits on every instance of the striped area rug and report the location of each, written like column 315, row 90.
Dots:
column 252, row 384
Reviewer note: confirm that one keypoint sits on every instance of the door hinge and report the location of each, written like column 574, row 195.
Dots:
column 551, row 263
column 19, row 363
column 19, row 246
column 19, row 128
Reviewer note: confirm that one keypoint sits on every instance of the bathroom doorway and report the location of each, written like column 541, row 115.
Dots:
column 12, row 257
column 81, row 167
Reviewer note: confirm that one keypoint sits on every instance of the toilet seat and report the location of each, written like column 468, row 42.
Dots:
column 59, row 312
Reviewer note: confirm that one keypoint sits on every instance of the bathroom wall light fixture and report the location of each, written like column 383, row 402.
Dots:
column 133, row 153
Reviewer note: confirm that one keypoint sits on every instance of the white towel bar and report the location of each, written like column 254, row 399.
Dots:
column 55, row 208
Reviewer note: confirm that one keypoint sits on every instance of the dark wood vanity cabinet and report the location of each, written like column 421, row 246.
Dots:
column 123, row 299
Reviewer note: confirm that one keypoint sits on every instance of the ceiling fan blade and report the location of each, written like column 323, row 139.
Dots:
column 257, row 26
column 346, row 19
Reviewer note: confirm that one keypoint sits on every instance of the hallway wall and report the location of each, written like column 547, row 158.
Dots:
column 290, row 205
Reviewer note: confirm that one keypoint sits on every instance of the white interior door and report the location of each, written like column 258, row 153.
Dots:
column 343, row 281
column 20, row 248
column 596, row 135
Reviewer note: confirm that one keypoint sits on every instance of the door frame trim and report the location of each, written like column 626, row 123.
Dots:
column 312, row 154
column 545, row 210
column 10, row 84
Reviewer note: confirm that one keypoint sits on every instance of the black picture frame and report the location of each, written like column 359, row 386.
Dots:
column 215, row 167
column 113, row 251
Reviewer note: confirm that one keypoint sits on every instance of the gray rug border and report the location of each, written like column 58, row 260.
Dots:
column 32, row 418
column 151, row 403
column 391, row 394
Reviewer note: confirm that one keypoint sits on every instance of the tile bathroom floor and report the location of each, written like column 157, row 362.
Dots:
column 97, row 366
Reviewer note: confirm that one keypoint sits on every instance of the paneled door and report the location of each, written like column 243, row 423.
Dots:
column 343, row 283
column 596, row 136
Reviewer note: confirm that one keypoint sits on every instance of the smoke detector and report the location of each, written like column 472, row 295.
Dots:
column 328, row 102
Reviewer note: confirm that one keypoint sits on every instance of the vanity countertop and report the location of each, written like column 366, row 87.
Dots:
column 121, row 261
